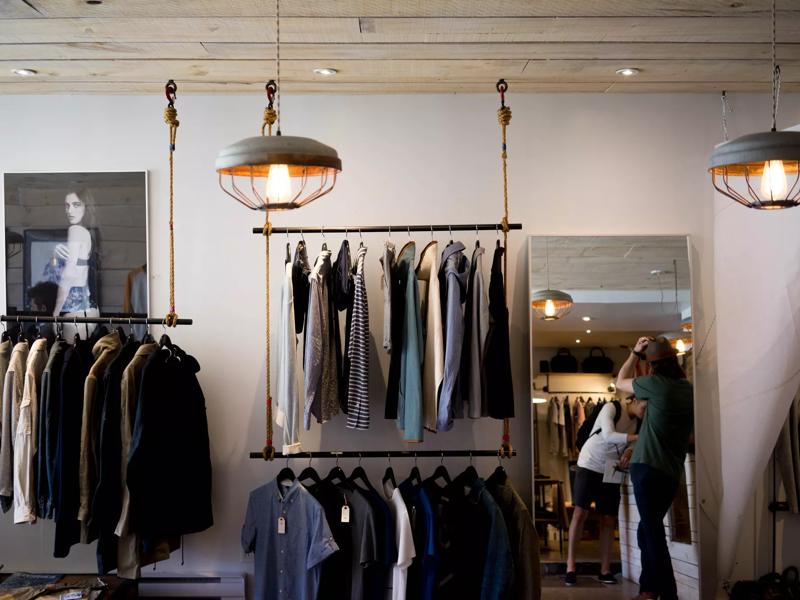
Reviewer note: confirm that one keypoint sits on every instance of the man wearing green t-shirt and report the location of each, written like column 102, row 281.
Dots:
column 658, row 457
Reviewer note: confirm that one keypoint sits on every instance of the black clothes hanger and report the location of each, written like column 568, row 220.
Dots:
column 337, row 476
column 309, row 473
column 414, row 477
column 440, row 472
column 477, row 239
column 165, row 342
column 359, row 474
column 499, row 476
column 324, row 242
column 388, row 475
column 285, row 474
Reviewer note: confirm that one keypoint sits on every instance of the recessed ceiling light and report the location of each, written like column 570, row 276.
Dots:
column 628, row 71
column 24, row 72
column 326, row 71
column 577, row 341
column 588, row 331
column 587, row 319
column 94, row 2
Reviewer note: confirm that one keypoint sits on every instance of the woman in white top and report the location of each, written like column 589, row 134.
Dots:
column 612, row 436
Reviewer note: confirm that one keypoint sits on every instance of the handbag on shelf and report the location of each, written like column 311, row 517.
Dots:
column 564, row 362
column 597, row 364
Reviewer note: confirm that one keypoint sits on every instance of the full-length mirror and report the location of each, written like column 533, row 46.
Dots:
column 592, row 299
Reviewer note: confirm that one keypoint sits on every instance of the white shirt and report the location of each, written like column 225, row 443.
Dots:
column 290, row 376
column 405, row 546
column 611, row 440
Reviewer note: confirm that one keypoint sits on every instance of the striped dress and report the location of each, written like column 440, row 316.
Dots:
column 358, row 351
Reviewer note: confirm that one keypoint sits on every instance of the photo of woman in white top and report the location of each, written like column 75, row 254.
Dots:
column 612, row 437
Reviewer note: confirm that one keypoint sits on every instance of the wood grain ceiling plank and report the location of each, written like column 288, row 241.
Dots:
column 579, row 29
column 409, row 8
column 324, row 52
column 17, row 9
column 153, row 87
column 109, row 51
column 402, row 71
column 212, row 29
column 257, row 71
column 398, row 30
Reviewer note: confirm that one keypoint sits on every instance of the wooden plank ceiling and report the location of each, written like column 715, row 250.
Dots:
column 396, row 46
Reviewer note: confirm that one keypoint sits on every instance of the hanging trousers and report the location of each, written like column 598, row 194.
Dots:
column 654, row 491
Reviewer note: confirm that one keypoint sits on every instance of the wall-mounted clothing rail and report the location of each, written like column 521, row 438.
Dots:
column 102, row 320
column 386, row 454
column 390, row 228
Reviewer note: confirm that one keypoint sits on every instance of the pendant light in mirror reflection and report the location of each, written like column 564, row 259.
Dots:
column 550, row 304
column 759, row 170
column 277, row 172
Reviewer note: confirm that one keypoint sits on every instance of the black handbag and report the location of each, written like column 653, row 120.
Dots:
column 597, row 364
column 564, row 362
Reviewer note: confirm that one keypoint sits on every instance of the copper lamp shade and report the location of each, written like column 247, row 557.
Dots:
column 244, row 168
column 551, row 305
column 759, row 170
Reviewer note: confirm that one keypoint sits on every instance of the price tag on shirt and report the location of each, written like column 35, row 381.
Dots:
column 345, row 514
column 281, row 526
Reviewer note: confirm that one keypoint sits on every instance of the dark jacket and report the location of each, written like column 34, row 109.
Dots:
column 50, row 392
column 169, row 468
column 342, row 285
column 77, row 361
column 499, row 390
column 300, row 286
column 107, row 501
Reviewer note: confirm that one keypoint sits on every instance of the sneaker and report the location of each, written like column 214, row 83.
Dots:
column 607, row 578
column 571, row 579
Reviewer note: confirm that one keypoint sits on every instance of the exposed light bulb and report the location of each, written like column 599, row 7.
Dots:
column 279, row 184
column 588, row 331
column 587, row 319
column 773, row 180
column 549, row 308
column 577, row 341
column 680, row 346
column 538, row 400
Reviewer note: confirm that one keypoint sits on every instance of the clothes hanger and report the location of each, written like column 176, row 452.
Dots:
column 361, row 238
column 414, row 477
column 324, row 242
column 499, row 476
column 309, row 473
column 469, row 476
column 477, row 239
column 77, row 333
column 285, row 475
column 336, row 474
column 359, row 474
column 388, row 475
column 440, row 472
column 497, row 230
column 148, row 338
column 4, row 337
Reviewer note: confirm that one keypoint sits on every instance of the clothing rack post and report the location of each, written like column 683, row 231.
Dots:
column 387, row 228
column 386, row 454
column 90, row 320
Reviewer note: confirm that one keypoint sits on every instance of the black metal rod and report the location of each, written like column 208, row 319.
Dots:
column 386, row 454
column 390, row 228
column 88, row 320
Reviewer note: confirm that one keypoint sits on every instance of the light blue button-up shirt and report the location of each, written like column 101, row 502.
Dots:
column 287, row 565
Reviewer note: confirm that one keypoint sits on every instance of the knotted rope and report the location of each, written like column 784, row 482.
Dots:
column 504, row 118
column 171, row 119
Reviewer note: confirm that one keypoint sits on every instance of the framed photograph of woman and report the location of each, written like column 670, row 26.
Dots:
column 84, row 250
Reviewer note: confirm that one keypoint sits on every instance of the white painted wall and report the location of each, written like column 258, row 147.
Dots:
column 579, row 164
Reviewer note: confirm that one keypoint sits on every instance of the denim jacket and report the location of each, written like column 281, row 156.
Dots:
column 455, row 271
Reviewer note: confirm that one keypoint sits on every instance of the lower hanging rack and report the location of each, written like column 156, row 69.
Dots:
column 113, row 319
column 385, row 454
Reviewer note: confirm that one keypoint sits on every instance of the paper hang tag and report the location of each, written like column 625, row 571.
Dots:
column 612, row 472
column 281, row 525
column 345, row 514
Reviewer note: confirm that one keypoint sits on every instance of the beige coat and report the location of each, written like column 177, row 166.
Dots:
column 431, row 309
column 105, row 350
column 128, row 561
column 13, row 385
column 25, row 442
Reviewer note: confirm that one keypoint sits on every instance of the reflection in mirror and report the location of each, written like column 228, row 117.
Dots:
column 621, row 289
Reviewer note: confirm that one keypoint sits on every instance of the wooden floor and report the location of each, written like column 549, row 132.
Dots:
column 588, row 588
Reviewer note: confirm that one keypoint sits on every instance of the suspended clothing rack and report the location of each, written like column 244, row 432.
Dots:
column 115, row 320
column 386, row 454
column 388, row 228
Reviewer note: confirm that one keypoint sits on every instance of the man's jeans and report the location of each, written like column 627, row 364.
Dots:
column 654, row 491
